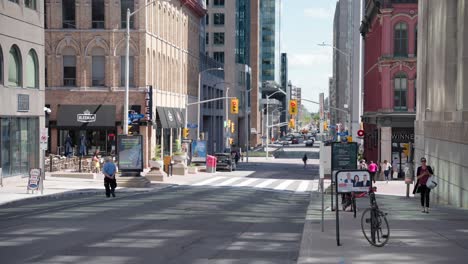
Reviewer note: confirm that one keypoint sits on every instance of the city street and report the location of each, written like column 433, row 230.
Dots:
column 202, row 221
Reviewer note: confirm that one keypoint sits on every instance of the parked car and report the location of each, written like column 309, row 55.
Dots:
column 225, row 161
column 309, row 142
column 295, row 140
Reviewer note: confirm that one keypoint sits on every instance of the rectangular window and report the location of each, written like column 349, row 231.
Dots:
column 207, row 19
column 218, row 38
column 218, row 56
column 98, row 14
column 207, row 38
column 400, row 93
column 69, row 71
column 68, row 14
column 218, row 19
column 30, row 4
column 124, row 5
column 218, row 2
column 98, row 70
column 130, row 71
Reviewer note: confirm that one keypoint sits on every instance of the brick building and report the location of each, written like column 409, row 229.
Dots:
column 85, row 54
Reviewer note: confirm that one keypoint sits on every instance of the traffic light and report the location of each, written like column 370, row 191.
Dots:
column 232, row 127
column 292, row 123
column 406, row 149
column 134, row 128
column 325, row 126
column 234, row 106
column 292, row 107
column 186, row 132
column 231, row 140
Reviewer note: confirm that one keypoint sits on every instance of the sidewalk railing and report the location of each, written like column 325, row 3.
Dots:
column 55, row 163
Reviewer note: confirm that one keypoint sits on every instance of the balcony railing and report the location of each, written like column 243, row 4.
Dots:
column 98, row 24
column 69, row 81
column 98, row 82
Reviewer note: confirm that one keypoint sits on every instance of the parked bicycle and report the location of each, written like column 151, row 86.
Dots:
column 374, row 224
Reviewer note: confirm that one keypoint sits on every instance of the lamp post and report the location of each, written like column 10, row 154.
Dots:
column 348, row 64
column 199, row 94
column 267, row 128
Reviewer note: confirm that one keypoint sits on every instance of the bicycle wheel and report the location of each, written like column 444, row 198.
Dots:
column 354, row 206
column 375, row 227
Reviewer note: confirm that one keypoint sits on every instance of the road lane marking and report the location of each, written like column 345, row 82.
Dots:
column 227, row 182
column 246, row 182
column 284, row 185
column 265, row 183
column 303, row 186
column 206, row 182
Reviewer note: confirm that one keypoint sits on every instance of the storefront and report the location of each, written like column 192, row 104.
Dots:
column 89, row 128
column 169, row 121
column 19, row 145
column 402, row 147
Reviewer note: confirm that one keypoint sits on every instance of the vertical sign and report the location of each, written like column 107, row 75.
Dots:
column 344, row 156
column 149, row 103
column 34, row 179
column 44, row 138
column 321, row 98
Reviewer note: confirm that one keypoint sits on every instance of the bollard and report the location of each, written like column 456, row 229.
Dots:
column 79, row 165
column 50, row 163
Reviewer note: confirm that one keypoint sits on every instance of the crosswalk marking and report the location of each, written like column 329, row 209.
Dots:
column 265, row 183
column 284, row 185
column 208, row 181
column 227, row 182
column 245, row 183
column 303, row 186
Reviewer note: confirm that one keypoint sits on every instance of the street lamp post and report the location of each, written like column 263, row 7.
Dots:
column 267, row 128
column 199, row 94
column 348, row 60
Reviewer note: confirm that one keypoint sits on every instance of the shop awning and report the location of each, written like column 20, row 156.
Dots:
column 162, row 116
column 171, row 117
column 86, row 116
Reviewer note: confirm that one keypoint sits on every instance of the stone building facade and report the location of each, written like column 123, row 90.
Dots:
column 441, row 126
column 21, row 85
column 85, row 54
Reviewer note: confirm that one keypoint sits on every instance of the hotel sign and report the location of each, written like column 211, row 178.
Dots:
column 86, row 117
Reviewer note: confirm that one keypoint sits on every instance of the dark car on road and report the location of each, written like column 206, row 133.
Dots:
column 309, row 142
column 225, row 161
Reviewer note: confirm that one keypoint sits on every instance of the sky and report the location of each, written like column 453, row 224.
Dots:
column 304, row 24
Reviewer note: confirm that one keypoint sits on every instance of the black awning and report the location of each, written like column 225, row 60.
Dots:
column 171, row 117
column 162, row 116
column 86, row 116
column 180, row 117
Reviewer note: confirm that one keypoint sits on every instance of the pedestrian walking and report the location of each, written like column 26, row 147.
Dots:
column 68, row 146
column 363, row 164
column 372, row 170
column 236, row 157
column 83, row 143
column 96, row 162
column 110, row 183
column 304, row 159
column 386, row 169
column 423, row 173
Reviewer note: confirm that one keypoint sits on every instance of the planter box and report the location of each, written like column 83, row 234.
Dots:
column 156, row 164
column 192, row 170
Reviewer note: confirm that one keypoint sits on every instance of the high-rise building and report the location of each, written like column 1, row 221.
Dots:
column 21, row 85
column 226, row 32
column 441, row 125
column 390, row 32
column 85, row 61
column 255, row 65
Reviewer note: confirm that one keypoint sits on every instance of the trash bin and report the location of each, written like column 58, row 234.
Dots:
column 210, row 164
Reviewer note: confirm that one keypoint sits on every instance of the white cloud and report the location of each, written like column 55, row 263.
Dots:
column 309, row 59
column 319, row 12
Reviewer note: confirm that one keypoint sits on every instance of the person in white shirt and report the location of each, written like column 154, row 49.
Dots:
column 386, row 169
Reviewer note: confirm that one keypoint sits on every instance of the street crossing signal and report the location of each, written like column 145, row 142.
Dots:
column 293, row 107
column 292, row 123
column 234, row 106
column 186, row 132
column 232, row 127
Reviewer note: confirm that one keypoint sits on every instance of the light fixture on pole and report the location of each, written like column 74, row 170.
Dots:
column 199, row 94
column 348, row 64
column 267, row 128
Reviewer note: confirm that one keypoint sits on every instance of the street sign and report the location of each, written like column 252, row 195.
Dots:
column 360, row 133
column 34, row 179
column 186, row 141
column 135, row 116
column 192, row 125
column 344, row 156
column 43, row 138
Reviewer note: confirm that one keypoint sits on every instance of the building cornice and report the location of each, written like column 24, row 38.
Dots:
column 196, row 6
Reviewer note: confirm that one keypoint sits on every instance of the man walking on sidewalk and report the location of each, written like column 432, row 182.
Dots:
column 110, row 183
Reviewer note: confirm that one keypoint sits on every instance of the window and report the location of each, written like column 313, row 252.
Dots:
column 207, row 38
column 416, row 40
column 124, row 5
column 14, row 67
column 32, row 70
column 98, row 14
column 218, row 19
column 69, row 67
column 218, row 2
column 130, row 71
column 1, row 65
column 400, row 91
column 207, row 19
column 218, row 56
column 14, row 1
column 30, row 4
column 68, row 14
column 415, row 86
column 98, row 67
column 218, row 38
column 401, row 40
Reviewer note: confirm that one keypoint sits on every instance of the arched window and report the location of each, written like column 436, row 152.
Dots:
column 1, row 65
column 400, row 92
column 14, row 67
column 98, row 67
column 415, row 40
column 69, row 67
column 32, row 70
column 401, row 40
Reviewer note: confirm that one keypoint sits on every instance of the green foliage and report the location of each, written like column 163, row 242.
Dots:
column 178, row 148
column 157, row 152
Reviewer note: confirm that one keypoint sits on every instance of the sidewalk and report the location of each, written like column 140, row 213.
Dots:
column 438, row 237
